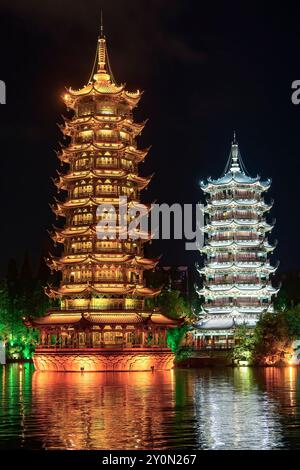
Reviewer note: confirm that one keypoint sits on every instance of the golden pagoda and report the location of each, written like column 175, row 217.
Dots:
column 103, row 322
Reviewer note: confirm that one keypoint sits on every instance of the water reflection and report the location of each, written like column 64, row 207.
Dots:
column 228, row 408
column 92, row 411
column 233, row 413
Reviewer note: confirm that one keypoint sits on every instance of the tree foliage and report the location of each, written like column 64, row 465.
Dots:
column 271, row 339
column 20, row 296
column 245, row 344
column 175, row 337
column 173, row 304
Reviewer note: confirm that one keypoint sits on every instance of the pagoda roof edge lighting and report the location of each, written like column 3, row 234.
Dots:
column 234, row 177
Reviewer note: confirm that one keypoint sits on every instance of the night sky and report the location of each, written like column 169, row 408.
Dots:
column 206, row 68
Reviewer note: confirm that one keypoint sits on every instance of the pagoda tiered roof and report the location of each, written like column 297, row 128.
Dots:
column 236, row 223
column 212, row 245
column 235, row 174
column 102, row 87
column 218, row 204
column 236, row 273
column 68, row 153
column 102, row 83
column 113, row 287
column 94, row 120
column 226, row 323
column 232, row 179
column 238, row 289
column 60, row 207
column 94, row 318
column 130, row 260
column 59, row 235
column 123, row 175
column 238, row 266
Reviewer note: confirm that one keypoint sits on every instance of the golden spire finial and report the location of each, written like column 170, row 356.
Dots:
column 101, row 74
column 101, row 25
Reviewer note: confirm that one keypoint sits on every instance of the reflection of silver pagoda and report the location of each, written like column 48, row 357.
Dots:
column 237, row 289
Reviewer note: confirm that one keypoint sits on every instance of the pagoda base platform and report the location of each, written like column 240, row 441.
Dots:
column 90, row 360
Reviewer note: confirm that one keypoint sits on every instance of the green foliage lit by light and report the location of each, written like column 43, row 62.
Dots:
column 272, row 337
column 172, row 304
column 245, row 343
column 175, row 336
column 20, row 299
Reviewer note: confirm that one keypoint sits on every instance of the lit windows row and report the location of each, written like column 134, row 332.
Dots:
column 101, row 162
column 102, row 108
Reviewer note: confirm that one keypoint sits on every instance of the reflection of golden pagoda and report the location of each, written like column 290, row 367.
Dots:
column 102, row 292
column 103, row 411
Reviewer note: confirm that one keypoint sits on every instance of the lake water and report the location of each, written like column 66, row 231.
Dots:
column 241, row 408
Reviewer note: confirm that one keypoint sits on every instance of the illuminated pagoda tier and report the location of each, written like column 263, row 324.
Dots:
column 103, row 322
column 236, row 272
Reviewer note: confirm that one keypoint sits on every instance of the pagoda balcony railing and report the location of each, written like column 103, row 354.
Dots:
column 104, row 194
column 237, row 280
column 99, row 251
column 234, row 260
column 89, row 348
column 116, row 250
column 139, row 304
column 230, row 217
column 239, row 236
column 229, row 197
column 100, row 280
column 217, row 238
column 115, row 193
column 84, row 195
column 96, row 140
column 115, row 165
column 252, row 303
column 100, row 166
column 81, row 223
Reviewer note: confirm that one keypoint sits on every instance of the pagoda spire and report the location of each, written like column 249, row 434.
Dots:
column 102, row 75
column 235, row 163
column 234, row 156
column 101, row 25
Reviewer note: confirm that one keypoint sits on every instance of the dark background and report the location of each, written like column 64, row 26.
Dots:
column 207, row 68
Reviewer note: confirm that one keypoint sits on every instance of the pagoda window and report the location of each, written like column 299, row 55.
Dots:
column 86, row 275
column 88, row 188
column 85, row 136
column 104, row 161
column 106, row 188
column 86, row 245
column 96, row 338
column 126, row 163
column 106, row 110
column 124, row 136
column 81, row 339
column 105, row 134
column 123, row 110
column 85, row 109
column 87, row 217
column 82, row 163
